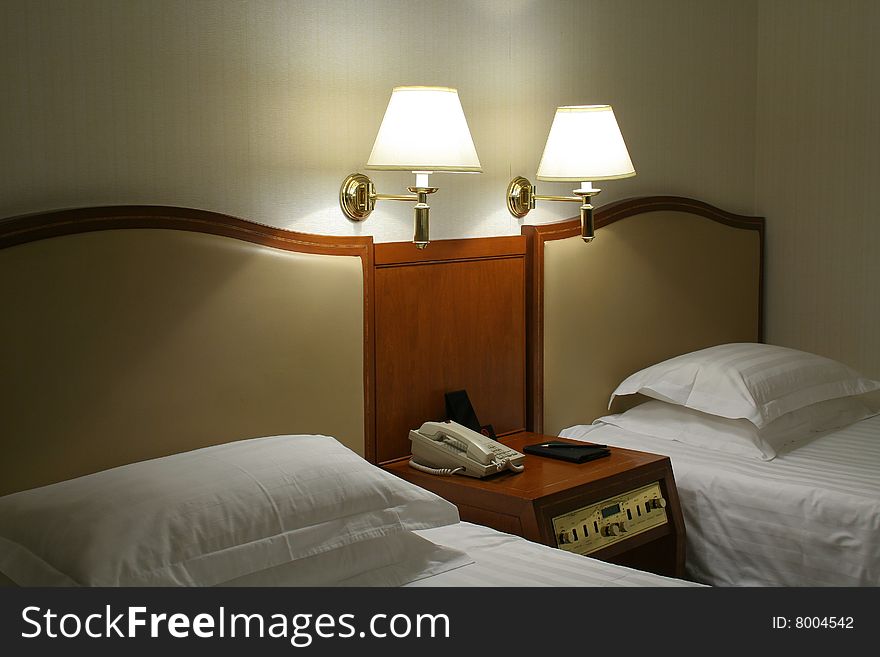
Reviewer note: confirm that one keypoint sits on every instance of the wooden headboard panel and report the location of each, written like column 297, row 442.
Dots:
column 138, row 331
column 664, row 276
column 449, row 317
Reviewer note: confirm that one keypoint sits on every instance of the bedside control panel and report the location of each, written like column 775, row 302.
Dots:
column 610, row 521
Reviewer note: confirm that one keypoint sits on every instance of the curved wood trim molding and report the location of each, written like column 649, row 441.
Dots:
column 44, row 225
column 608, row 214
column 537, row 235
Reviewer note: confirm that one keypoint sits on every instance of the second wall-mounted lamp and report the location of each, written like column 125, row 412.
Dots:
column 584, row 145
column 424, row 130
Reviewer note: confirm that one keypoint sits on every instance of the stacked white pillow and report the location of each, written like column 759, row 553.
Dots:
column 216, row 515
column 745, row 398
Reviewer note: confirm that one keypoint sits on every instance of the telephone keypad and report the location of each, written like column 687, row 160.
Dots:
column 502, row 452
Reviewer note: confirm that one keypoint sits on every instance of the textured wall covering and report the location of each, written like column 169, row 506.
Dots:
column 260, row 108
column 818, row 163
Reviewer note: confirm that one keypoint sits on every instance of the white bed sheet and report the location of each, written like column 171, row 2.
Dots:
column 810, row 517
column 501, row 559
column 458, row 555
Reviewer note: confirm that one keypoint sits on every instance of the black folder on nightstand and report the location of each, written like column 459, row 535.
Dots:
column 567, row 451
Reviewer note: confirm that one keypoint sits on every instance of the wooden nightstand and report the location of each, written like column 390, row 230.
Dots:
column 623, row 508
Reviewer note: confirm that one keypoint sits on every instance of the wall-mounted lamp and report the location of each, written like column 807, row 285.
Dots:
column 584, row 145
column 424, row 130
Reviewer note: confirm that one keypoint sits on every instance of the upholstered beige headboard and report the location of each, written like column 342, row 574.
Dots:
column 664, row 276
column 134, row 332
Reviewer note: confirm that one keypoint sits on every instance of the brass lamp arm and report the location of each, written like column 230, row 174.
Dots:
column 541, row 197
column 521, row 198
column 586, row 214
column 395, row 197
column 358, row 196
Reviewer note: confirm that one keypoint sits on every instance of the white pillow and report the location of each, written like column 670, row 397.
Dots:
column 739, row 437
column 208, row 516
column 756, row 382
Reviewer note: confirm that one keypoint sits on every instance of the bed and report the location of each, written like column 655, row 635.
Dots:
column 809, row 517
column 189, row 399
column 667, row 305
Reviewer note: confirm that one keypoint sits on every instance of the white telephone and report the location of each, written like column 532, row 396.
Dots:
column 447, row 448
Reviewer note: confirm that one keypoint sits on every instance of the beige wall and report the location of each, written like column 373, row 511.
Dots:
column 818, row 166
column 260, row 108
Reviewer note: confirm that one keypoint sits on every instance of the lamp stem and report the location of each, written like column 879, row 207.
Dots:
column 585, row 192
column 420, row 212
column 420, row 233
column 587, row 232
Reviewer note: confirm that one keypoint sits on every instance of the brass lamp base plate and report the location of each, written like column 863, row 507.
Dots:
column 519, row 197
column 356, row 196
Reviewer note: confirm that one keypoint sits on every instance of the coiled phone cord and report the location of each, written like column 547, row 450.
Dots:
column 448, row 472
column 513, row 466
column 443, row 472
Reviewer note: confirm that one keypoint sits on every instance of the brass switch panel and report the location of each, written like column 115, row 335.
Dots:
column 610, row 521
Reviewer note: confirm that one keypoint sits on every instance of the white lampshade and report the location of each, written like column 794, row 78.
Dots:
column 424, row 129
column 584, row 144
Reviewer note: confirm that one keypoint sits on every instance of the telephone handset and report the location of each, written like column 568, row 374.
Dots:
column 449, row 448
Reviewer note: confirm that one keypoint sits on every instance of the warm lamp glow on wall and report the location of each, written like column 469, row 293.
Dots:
column 424, row 130
column 584, row 145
